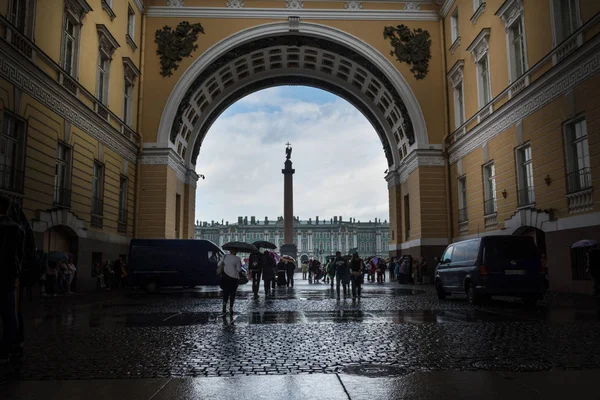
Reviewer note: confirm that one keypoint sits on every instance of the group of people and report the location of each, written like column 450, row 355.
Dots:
column 58, row 277
column 109, row 277
column 263, row 265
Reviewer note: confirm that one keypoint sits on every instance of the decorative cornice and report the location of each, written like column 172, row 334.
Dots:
column 509, row 11
column 283, row 13
column 235, row 4
column 455, row 45
column 353, row 5
column 480, row 45
column 411, row 6
column 106, row 7
column 294, row 4
column 455, row 75
column 417, row 158
column 108, row 43
column 478, row 13
column 78, row 8
column 162, row 156
column 448, row 4
column 131, row 71
column 23, row 74
column 139, row 4
column 555, row 83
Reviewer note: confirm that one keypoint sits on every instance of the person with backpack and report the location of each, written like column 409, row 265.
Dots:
column 342, row 273
column 356, row 271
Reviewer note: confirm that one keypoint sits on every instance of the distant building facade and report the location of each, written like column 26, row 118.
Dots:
column 314, row 238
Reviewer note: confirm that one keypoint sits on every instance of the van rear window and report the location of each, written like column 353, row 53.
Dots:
column 510, row 248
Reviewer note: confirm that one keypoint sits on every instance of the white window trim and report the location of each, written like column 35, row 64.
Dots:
column 479, row 48
column 455, row 76
column 486, row 185
column 478, row 9
column 511, row 14
column 77, row 24
column 106, row 80
column 131, row 14
column 454, row 26
column 521, row 180
column 553, row 19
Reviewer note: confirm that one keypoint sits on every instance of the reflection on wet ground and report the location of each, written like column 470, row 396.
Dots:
column 95, row 319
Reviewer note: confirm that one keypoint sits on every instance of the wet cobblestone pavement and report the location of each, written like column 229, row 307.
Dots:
column 392, row 330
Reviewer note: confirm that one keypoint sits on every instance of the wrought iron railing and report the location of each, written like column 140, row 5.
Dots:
column 97, row 206
column 489, row 206
column 62, row 196
column 579, row 180
column 525, row 196
column 11, row 179
column 463, row 215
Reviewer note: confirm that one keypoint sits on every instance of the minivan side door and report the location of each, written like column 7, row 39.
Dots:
column 443, row 268
column 464, row 264
column 456, row 270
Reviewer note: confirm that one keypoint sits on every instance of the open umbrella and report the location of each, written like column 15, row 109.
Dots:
column 240, row 247
column 584, row 243
column 58, row 256
column 288, row 258
column 265, row 245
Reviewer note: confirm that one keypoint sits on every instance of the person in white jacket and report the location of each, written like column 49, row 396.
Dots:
column 232, row 266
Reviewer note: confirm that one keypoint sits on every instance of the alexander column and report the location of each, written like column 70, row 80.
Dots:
column 288, row 247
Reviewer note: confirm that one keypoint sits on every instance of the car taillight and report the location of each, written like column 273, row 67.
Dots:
column 483, row 270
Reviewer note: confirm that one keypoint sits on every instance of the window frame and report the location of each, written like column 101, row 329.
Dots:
column 489, row 187
column 558, row 35
column 67, row 162
column 130, row 22
column 102, row 87
column 128, row 101
column 20, row 141
column 98, row 185
column 459, row 104
column 462, row 198
column 525, row 174
column 584, row 179
column 73, row 71
column 454, row 26
column 481, row 85
column 513, row 72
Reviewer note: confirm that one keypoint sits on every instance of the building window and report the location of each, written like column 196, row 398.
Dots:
column 518, row 56
column 477, row 4
column 459, row 105
column 454, row 25
column 62, row 176
column 462, row 199
column 565, row 19
column 122, row 217
column 525, row 176
column 103, row 69
column 485, row 93
column 70, row 45
column 579, row 174
column 128, row 102
column 130, row 22
column 12, row 143
column 406, row 217
column 18, row 14
column 98, row 189
column 489, row 189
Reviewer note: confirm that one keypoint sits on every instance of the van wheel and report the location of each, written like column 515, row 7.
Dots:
column 474, row 298
column 440, row 291
column 151, row 286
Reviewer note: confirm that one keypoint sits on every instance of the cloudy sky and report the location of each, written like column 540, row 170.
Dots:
column 337, row 155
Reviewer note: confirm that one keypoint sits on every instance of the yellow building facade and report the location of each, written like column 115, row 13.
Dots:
column 499, row 136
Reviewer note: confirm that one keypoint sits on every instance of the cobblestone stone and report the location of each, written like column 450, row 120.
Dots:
column 305, row 330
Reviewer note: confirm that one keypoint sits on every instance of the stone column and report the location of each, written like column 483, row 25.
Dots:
column 288, row 208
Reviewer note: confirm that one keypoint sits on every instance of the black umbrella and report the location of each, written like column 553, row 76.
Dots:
column 265, row 245
column 240, row 247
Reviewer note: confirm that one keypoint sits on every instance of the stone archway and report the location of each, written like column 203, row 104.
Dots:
column 268, row 55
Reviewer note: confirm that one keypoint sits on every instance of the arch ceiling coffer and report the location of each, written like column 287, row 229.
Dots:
column 293, row 59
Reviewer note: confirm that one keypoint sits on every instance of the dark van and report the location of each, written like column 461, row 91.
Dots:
column 492, row 266
column 161, row 262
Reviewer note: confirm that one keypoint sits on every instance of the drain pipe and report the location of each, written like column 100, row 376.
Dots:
column 136, row 220
column 447, row 128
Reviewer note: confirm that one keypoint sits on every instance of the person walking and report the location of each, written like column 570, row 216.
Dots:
column 232, row 266
column 342, row 274
column 356, row 271
column 256, row 262
column 268, row 273
column 422, row 269
column 290, row 268
column 331, row 271
column 594, row 268
column 109, row 276
column 304, row 271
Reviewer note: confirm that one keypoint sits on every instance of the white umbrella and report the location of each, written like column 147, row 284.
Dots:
column 584, row 243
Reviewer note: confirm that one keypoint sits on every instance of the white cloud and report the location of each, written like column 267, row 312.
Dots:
column 337, row 155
